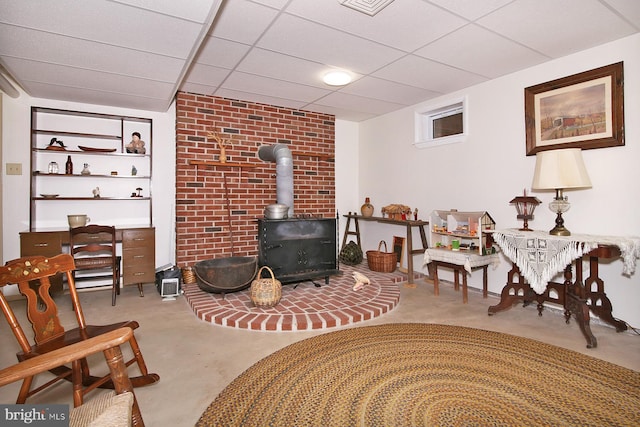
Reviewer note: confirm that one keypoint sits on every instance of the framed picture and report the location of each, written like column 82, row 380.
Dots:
column 585, row 110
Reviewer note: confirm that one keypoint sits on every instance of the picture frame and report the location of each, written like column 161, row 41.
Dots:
column 584, row 110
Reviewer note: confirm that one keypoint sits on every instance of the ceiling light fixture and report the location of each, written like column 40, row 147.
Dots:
column 337, row 78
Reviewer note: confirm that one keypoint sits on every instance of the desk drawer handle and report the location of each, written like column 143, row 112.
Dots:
column 139, row 239
column 139, row 274
column 139, row 256
column 42, row 245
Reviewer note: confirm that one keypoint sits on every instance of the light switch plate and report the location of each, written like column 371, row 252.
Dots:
column 14, row 168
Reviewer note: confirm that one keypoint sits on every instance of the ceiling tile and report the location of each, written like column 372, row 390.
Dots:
column 111, row 23
column 272, row 87
column 398, row 93
column 358, row 103
column 242, row 21
column 401, row 25
column 319, row 43
column 88, row 96
column 86, row 79
column 471, row 9
column 482, row 52
column 284, row 67
column 206, row 75
column 196, row 11
column 580, row 24
column 627, row 9
column 86, row 54
column 221, row 53
column 415, row 71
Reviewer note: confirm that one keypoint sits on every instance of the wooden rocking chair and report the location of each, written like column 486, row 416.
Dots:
column 112, row 409
column 49, row 334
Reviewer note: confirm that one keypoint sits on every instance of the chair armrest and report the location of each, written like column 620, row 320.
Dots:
column 79, row 350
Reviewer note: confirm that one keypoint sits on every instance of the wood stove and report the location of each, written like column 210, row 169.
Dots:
column 299, row 249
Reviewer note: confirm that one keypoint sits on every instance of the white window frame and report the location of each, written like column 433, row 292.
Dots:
column 425, row 116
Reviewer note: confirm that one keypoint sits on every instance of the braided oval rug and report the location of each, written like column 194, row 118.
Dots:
column 427, row 375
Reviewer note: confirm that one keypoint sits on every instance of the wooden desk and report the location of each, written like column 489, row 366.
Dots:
column 138, row 251
column 408, row 224
column 538, row 256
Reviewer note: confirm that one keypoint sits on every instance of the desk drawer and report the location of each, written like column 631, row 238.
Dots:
column 138, row 256
column 46, row 244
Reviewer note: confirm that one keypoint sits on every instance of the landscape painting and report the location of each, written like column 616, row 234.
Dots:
column 580, row 111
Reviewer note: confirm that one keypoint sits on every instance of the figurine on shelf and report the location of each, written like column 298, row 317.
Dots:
column 136, row 145
column 138, row 192
column 134, row 171
column 222, row 145
column 85, row 170
column 96, row 192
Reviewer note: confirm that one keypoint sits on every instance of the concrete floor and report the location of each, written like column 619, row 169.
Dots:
column 196, row 360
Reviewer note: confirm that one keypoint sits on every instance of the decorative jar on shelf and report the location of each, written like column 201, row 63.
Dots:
column 367, row 208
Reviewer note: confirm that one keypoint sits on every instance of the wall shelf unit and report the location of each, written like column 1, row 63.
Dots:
column 97, row 142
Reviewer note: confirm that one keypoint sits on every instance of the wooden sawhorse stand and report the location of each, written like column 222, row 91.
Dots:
column 409, row 224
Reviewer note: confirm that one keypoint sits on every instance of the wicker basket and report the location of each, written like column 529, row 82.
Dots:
column 384, row 262
column 265, row 292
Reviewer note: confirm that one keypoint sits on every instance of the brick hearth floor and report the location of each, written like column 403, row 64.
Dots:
column 305, row 307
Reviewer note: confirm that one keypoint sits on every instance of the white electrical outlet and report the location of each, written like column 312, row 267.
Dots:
column 14, row 168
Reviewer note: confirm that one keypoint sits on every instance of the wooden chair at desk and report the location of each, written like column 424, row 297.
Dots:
column 93, row 247
column 50, row 335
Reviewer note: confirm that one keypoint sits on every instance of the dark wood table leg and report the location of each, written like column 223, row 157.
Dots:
column 485, row 282
column 409, row 255
column 596, row 298
column 575, row 304
column 433, row 270
column 512, row 292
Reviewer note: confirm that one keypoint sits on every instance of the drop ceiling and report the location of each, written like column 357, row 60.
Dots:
column 138, row 53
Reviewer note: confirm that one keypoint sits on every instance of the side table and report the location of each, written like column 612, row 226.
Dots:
column 461, row 263
column 537, row 256
column 408, row 224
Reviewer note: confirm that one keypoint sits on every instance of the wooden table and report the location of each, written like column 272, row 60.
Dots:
column 462, row 262
column 529, row 281
column 408, row 224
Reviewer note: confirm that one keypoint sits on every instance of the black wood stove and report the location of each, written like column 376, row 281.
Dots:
column 299, row 249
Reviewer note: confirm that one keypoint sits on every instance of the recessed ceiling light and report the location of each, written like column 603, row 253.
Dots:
column 337, row 78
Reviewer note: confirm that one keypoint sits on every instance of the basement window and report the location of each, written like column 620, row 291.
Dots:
column 441, row 124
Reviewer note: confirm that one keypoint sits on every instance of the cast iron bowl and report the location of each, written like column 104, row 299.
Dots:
column 222, row 275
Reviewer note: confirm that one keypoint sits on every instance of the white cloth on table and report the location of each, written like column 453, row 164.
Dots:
column 540, row 256
column 468, row 259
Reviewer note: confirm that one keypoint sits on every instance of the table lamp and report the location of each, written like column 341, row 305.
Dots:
column 560, row 170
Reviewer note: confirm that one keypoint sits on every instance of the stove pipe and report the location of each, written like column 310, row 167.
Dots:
column 281, row 155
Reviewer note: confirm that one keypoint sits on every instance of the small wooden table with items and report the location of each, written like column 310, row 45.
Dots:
column 408, row 224
column 537, row 256
column 462, row 262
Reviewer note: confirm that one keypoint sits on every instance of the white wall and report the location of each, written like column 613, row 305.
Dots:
column 490, row 168
column 16, row 149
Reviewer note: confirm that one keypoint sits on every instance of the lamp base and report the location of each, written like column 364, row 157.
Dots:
column 559, row 229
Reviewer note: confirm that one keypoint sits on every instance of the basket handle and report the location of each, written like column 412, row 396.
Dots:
column 380, row 244
column 259, row 275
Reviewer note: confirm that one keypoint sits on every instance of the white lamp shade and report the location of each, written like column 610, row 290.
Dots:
column 560, row 169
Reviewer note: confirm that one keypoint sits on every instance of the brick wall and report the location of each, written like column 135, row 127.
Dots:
column 202, row 220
